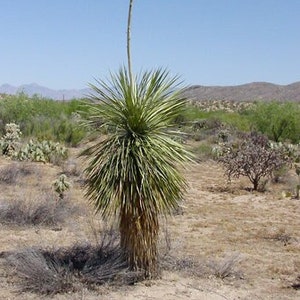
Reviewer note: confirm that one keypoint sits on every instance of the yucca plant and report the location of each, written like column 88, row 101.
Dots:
column 133, row 173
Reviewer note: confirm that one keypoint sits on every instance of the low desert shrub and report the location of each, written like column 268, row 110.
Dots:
column 44, row 119
column 296, row 284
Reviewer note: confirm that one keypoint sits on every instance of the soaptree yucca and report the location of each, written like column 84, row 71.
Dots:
column 133, row 173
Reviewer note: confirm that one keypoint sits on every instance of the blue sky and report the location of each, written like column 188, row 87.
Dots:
column 68, row 43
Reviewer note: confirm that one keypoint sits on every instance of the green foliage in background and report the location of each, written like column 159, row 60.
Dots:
column 278, row 120
column 43, row 119
column 193, row 113
column 59, row 121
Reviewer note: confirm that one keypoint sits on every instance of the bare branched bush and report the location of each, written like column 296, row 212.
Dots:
column 252, row 157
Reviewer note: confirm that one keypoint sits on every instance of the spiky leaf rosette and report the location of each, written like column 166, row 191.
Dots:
column 133, row 173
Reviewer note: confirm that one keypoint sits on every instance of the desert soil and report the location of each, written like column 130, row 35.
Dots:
column 249, row 238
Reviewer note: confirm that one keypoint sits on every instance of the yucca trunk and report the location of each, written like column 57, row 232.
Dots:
column 139, row 236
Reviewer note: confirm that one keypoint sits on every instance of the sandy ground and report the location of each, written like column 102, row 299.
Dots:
column 256, row 235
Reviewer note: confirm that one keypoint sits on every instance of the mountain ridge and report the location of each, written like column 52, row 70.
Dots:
column 264, row 91
column 45, row 92
column 261, row 91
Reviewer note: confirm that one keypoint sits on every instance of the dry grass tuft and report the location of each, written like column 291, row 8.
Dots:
column 220, row 268
column 225, row 267
column 63, row 270
column 44, row 210
column 9, row 174
column 39, row 274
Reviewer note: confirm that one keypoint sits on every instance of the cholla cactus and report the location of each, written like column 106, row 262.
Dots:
column 45, row 151
column 10, row 141
column 61, row 185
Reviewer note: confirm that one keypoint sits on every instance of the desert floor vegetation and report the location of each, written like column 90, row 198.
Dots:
column 227, row 241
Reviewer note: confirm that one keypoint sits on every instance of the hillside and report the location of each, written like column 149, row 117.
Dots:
column 246, row 92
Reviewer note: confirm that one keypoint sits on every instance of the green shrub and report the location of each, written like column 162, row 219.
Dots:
column 202, row 151
column 44, row 119
column 279, row 121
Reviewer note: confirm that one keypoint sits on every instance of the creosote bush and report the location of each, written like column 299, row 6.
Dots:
column 252, row 157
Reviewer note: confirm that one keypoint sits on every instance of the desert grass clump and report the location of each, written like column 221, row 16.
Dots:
column 52, row 271
column 220, row 268
column 39, row 274
column 187, row 265
column 43, row 210
column 225, row 267
column 10, row 173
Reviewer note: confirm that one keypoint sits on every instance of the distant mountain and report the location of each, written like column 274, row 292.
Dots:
column 247, row 92
column 33, row 88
